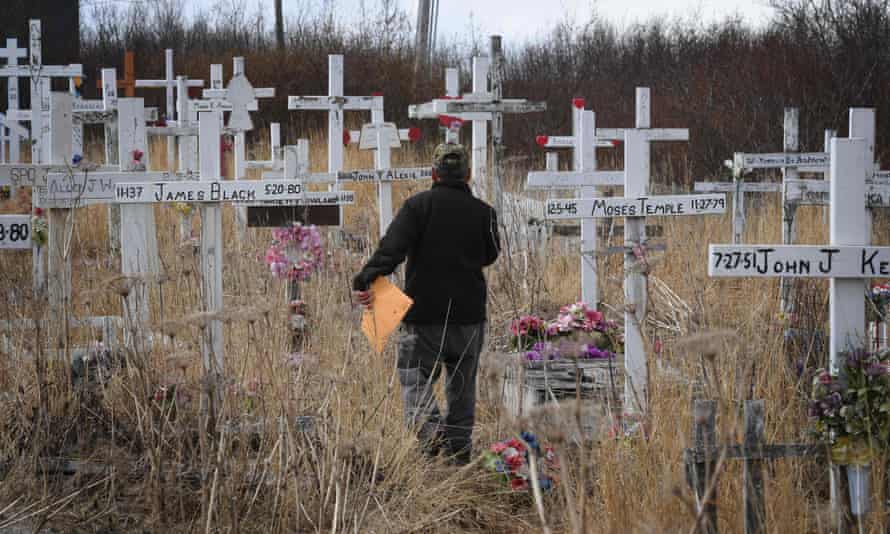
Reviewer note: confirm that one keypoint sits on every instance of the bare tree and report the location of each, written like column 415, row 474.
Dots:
column 279, row 25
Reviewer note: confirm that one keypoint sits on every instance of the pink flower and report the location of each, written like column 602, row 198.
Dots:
column 498, row 447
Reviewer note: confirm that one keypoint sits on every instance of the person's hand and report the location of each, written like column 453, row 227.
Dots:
column 365, row 298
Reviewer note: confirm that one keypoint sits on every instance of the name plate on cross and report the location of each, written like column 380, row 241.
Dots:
column 778, row 160
column 798, row 261
column 207, row 191
column 386, row 175
column 15, row 232
column 667, row 205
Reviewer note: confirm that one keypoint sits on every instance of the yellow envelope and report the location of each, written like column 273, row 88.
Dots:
column 389, row 307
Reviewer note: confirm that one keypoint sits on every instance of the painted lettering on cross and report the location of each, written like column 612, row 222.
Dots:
column 798, row 261
column 207, row 191
column 15, row 232
column 668, row 205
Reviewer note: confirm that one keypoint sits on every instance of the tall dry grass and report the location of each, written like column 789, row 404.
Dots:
column 146, row 465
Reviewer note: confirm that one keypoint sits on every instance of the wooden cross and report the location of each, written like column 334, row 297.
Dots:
column 481, row 105
column 128, row 84
column 584, row 177
column 847, row 261
column 40, row 76
column 240, row 98
column 479, row 140
column 168, row 83
column 381, row 137
column 12, row 53
column 635, row 206
column 335, row 103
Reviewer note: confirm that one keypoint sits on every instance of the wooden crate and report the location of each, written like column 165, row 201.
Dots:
column 532, row 384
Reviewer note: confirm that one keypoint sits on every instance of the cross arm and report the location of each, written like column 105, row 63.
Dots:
column 650, row 134
column 165, row 83
column 26, row 71
column 326, row 103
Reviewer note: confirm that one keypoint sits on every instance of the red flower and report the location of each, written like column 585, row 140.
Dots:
column 38, row 212
column 519, row 484
column 498, row 447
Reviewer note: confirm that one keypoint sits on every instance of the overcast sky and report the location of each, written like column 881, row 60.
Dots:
column 519, row 20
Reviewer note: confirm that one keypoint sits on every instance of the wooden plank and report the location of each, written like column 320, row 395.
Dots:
column 644, row 206
column 731, row 187
column 15, row 232
column 775, row 451
column 778, row 160
column 753, row 497
column 798, row 261
column 573, row 179
column 704, row 430
column 386, row 175
column 276, row 216
column 207, row 191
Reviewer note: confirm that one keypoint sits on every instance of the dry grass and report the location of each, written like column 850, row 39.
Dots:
column 149, row 467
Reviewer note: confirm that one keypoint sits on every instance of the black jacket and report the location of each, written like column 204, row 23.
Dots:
column 448, row 236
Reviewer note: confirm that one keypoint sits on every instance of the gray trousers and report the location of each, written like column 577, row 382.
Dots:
column 424, row 350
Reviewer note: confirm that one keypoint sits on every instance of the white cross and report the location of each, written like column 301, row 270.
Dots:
column 479, row 140
column 240, row 98
column 382, row 137
column 584, row 177
column 12, row 53
column 335, row 103
column 40, row 75
column 635, row 206
column 168, row 83
column 482, row 105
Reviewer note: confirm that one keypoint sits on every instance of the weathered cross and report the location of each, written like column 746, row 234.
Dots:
column 584, row 177
column 335, row 103
column 382, row 137
column 479, row 141
column 847, row 261
column 635, row 206
column 487, row 102
column 40, row 76
column 240, row 98
column 12, row 53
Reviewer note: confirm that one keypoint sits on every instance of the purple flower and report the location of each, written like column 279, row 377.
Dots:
column 876, row 369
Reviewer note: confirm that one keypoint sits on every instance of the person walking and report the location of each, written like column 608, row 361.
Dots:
column 448, row 236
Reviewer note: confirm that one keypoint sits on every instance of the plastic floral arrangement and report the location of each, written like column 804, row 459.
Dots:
column 851, row 412
column 39, row 228
column 876, row 308
column 295, row 252
column 509, row 460
column 183, row 208
column 578, row 332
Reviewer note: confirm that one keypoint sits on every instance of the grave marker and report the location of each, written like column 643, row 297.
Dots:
column 847, row 260
column 382, row 137
column 486, row 104
column 584, row 177
column 12, row 53
column 335, row 103
column 635, row 207
column 168, row 83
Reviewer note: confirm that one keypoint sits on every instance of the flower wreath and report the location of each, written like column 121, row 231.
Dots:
column 295, row 252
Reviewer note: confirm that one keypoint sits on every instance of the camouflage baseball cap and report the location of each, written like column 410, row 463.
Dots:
column 451, row 158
